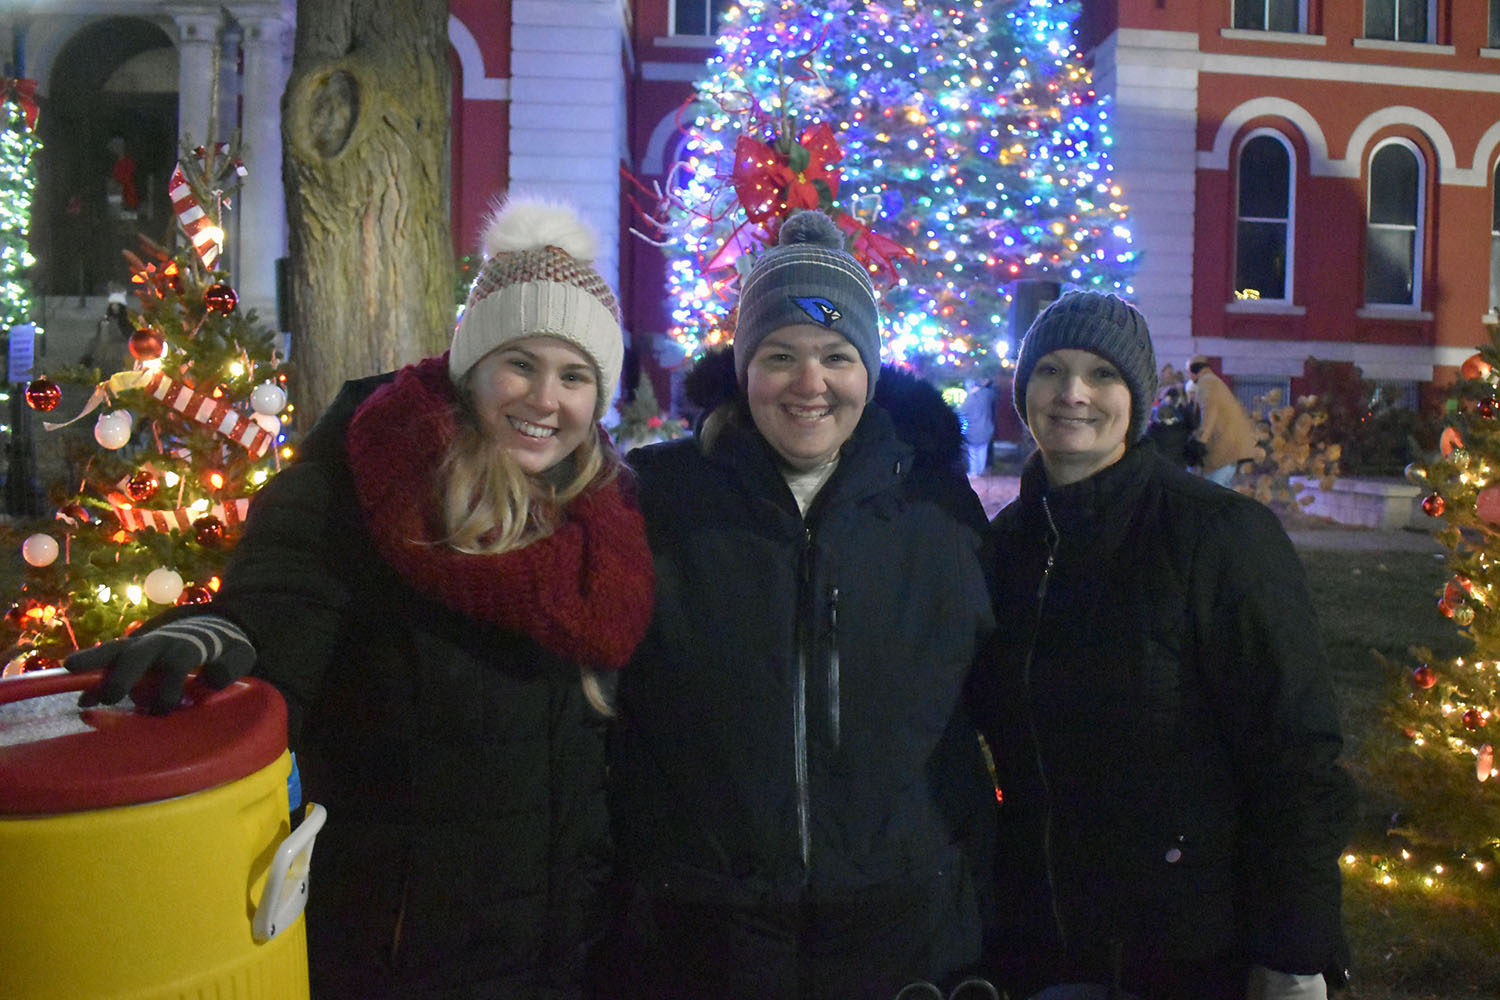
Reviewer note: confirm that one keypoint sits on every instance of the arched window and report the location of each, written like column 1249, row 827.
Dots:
column 1495, row 240
column 1393, row 232
column 1263, row 218
column 1399, row 20
column 1271, row 15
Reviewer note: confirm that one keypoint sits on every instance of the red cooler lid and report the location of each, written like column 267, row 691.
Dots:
column 56, row 757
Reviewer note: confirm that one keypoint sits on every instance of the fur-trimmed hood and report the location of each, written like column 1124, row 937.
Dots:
column 921, row 417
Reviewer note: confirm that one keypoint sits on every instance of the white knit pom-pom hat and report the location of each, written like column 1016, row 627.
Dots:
column 538, row 280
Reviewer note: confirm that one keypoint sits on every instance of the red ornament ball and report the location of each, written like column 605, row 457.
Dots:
column 142, row 485
column 38, row 661
column 1424, row 677
column 43, row 394
column 1474, row 367
column 1473, row 719
column 209, row 531
column 147, row 343
column 220, row 298
column 195, row 594
column 74, row 514
column 1434, row 504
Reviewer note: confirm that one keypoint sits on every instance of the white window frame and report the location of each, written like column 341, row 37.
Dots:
column 1429, row 29
column 1265, row 16
column 1291, row 209
column 1418, row 230
column 1495, row 238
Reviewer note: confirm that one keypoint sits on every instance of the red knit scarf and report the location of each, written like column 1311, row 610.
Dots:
column 584, row 592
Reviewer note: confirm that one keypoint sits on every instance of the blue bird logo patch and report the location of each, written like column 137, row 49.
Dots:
column 823, row 312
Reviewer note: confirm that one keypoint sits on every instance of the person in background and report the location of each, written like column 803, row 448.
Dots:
column 1171, row 425
column 978, row 412
column 1225, row 429
column 800, row 801
column 1158, row 704
column 434, row 587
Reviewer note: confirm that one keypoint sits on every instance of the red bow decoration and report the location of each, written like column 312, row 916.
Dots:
column 771, row 182
column 872, row 248
column 23, row 92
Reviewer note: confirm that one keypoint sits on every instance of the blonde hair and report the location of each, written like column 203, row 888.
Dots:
column 491, row 506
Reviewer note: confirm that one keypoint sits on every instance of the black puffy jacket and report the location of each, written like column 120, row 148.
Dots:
column 467, row 841
column 791, row 740
column 1165, row 733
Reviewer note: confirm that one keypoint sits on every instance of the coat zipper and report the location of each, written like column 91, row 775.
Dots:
column 799, row 722
column 833, row 665
column 1054, row 539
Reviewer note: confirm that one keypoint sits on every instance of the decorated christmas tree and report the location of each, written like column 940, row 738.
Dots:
column 184, row 437
column 960, row 146
column 19, row 147
column 1441, row 771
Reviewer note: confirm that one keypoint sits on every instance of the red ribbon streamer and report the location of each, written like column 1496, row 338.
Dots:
column 23, row 92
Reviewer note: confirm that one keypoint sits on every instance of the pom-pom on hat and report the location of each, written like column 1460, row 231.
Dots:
column 808, row 277
column 1104, row 324
column 537, row 280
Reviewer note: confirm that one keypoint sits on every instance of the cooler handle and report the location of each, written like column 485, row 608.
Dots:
column 286, row 885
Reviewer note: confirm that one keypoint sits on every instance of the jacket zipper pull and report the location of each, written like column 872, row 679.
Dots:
column 833, row 665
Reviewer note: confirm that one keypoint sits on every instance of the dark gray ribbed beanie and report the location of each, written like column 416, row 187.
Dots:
column 1104, row 324
column 808, row 277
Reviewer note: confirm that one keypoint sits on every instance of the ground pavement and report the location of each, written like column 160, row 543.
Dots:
column 997, row 491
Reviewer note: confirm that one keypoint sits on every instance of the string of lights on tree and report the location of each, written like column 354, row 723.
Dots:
column 19, row 147
column 1441, row 766
column 965, row 149
column 181, row 441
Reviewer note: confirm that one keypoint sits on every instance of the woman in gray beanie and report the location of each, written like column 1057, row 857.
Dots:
column 800, row 803
column 1157, row 701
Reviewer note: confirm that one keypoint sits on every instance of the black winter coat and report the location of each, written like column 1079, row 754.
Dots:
column 1165, row 735
column 462, row 769
column 794, row 780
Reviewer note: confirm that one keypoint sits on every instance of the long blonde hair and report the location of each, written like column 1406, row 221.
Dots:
column 491, row 506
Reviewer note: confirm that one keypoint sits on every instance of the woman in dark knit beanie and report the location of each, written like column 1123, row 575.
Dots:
column 1157, row 702
column 799, row 799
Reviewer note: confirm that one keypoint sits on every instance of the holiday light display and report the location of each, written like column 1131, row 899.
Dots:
column 964, row 146
column 1442, row 767
column 19, row 147
column 184, row 437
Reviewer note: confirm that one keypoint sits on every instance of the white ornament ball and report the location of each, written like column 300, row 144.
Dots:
column 113, row 429
column 39, row 550
column 271, row 425
column 163, row 585
column 268, row 398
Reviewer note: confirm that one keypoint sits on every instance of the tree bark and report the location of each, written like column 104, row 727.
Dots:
column 365, row 134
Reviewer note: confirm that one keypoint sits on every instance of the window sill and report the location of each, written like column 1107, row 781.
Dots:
column 1265, row 307
column 684, row 41
column 1489, row 53
column 1283, row 37
column 1409, row 314
column 1424, row 48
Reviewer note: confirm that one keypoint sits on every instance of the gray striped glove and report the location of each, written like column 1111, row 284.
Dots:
column 169, row 653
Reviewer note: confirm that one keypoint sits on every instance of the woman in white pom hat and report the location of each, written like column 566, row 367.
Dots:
column 434, row 587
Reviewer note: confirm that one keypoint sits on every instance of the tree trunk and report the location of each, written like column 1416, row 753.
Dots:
column 365, row 131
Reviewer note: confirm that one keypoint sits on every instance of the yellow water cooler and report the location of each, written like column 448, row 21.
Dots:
column 147, row 857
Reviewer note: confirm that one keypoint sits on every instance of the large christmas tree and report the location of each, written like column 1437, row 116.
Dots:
column 959, row 145
column 19, row 147
column 1443, row 769
column 181, row 439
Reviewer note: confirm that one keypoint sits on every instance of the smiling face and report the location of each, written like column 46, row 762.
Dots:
column 535, row 398
column 806, row 386
column 1078, row 409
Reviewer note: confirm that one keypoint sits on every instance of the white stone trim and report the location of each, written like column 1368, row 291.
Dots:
column 478, row 86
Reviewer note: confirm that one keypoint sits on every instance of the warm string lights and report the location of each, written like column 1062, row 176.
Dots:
column 970, row 131
column 1445, row 837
